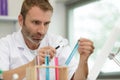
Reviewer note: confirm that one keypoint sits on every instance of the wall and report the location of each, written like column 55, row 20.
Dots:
column 58, row 23
column 14, row 7
column 9, row 26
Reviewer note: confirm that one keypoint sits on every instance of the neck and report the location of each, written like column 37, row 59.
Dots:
column 31, row 45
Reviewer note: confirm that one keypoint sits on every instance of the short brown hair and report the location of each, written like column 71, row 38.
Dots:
column 28, row 4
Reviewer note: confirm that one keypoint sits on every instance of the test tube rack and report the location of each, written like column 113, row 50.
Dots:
column 31, row 73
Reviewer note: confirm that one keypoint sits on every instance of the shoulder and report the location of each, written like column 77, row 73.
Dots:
column 8, row 39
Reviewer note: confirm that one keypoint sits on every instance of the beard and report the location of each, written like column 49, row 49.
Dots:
column 33, row 41
column 29, row 36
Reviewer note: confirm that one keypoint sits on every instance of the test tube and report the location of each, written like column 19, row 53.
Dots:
column 72, row 54
column 47, row 57
column 56, row 69
column 37, row 62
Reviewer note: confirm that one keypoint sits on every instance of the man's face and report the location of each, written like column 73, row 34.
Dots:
column 35, row 25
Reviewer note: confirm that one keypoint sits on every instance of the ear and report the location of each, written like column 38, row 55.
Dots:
column 20, row 20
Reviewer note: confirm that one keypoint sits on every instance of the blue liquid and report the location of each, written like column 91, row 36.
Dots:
column 72, row 54
column 47, row 69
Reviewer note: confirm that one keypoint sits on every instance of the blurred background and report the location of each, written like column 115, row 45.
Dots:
column 93, row 19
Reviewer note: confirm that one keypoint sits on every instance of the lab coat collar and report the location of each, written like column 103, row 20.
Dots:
column 21, row 45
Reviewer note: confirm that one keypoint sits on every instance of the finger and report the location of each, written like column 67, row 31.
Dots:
column 41, row 52
column 52, row 49
column 51, row 53
column 84, row 39
column 48, row 48
column 85, row 49
column 86, row 43
column 42, row 60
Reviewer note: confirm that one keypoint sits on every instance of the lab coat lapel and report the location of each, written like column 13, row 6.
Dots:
column 25, row 53
column 23, row 49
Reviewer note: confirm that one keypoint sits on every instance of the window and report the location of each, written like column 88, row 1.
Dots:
column 95, row 21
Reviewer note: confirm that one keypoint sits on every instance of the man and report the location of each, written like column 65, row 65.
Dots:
column 18, row 51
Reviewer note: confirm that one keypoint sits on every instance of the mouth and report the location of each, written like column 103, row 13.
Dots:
column 37, row 40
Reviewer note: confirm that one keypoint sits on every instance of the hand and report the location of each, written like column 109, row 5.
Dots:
column 42, row 52
column 85, row 48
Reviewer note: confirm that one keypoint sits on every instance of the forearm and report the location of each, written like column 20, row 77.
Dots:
column 21, row 71
column 85, row 49
column 82, row 71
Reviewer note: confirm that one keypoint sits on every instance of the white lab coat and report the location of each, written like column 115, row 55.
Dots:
column 14, row 52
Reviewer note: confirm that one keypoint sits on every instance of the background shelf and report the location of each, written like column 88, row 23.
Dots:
column 7, row 18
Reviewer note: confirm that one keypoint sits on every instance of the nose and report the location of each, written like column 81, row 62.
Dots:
column 41, row 29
